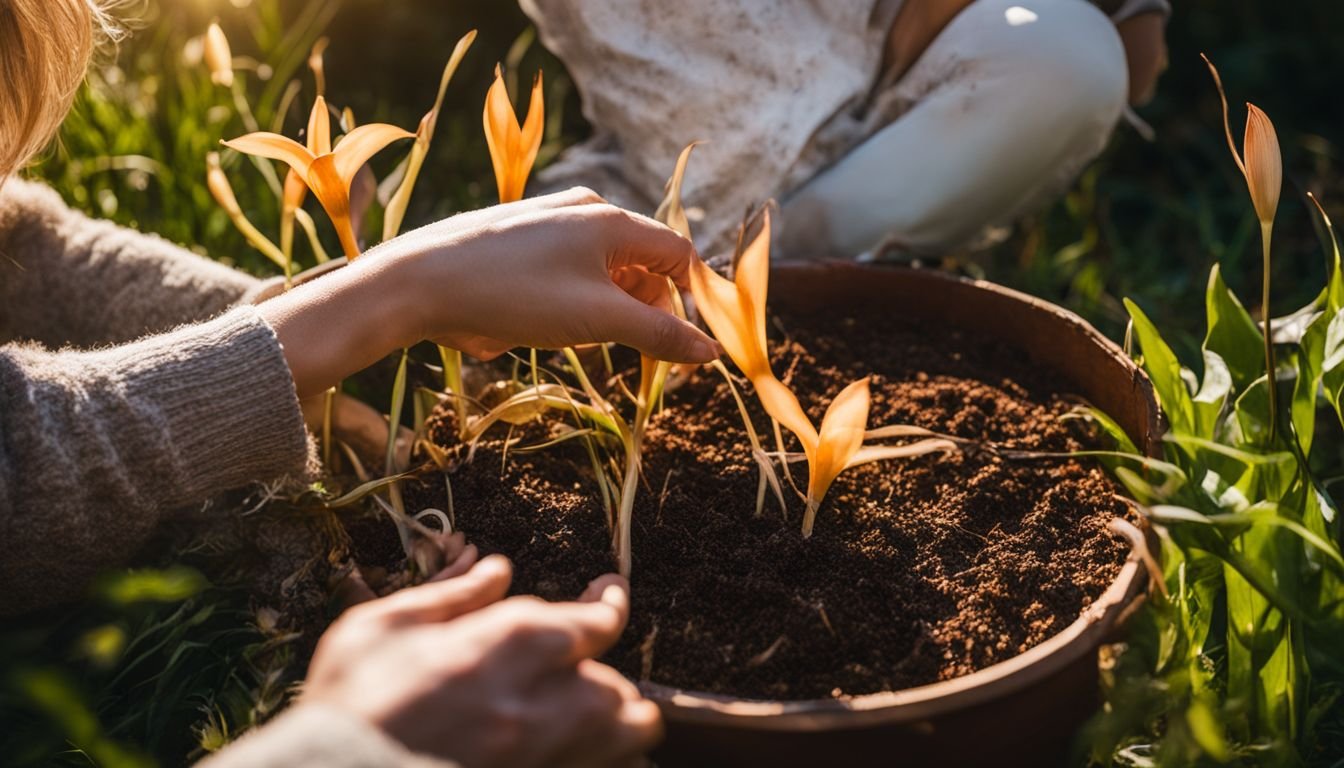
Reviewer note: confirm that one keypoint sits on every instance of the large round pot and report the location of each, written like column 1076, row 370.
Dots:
column 1023, row 711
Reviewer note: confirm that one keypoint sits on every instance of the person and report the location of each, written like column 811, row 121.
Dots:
column 135, row 380
column 882, row 127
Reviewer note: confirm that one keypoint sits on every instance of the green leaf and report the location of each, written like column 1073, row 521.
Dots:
column 1332, row 364
column 169, row 585
column 1232, row 334
column 1211, row 398
column 1207, row 730
column 1164, row 369
column 1109, row 426
column 1308, row 360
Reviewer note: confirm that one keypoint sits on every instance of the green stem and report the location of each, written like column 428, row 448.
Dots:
column 628, row 490
column 1266, row 230
column 452, row 382
column 250, row 122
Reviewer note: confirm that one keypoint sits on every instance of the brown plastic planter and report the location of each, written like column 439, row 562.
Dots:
column 1023, row 711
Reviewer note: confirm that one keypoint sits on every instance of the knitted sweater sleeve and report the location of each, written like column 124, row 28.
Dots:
column 315, row 736
column 68, row 279
column 96, row 446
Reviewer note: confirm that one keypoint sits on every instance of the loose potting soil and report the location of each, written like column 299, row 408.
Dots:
column 919, row 570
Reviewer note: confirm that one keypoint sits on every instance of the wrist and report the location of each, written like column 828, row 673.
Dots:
column 339, row 324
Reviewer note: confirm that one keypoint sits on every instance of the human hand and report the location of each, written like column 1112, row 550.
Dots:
column 453, row 669
column 560, row 270
column 553, row 277
column 1144, row 37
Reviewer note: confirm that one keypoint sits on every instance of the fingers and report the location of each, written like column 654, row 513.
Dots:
column 352, row 590
column 470, row 554
column 480, row 347
column 610, row 722
column 632, row 240
column 656, row 332
column 649, row 288
column 551, row 636
column 483, row 584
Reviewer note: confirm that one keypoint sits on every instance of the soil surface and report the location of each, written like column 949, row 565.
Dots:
column 918, row 571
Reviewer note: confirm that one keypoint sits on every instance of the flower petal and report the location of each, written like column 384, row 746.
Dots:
column 530, row 140
column 296, row 189
column 752, row 276
column 218, row 56
column 319, row 128
column 1264, row 163
column 275, row 147
column 670, row 211
column 502, row 134
column 218, row 184
column 720, row 304
column 840, row 438
column 333, row 192
column 317, row 65
column 363, row 143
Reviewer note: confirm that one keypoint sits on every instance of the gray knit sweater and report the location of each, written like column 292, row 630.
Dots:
column 129, row 388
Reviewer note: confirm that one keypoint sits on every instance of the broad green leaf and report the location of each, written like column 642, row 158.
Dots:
column 1277, row 689
column 1308, row 360
column 1332, row 365
column 1213, row 392
column 1251, row 410
column 1334, row 289
column 1207, row 730
column 1232, row 334
column 1164, row 369
column 1110, row 427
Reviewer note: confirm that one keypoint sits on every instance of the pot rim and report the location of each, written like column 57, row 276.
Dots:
column 920, row 703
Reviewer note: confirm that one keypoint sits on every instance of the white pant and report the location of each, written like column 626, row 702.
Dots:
column 1005, row 108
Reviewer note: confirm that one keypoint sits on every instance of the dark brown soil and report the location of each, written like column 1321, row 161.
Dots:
column 918, row 571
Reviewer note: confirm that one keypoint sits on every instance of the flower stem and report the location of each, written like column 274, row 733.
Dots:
column 1266, row 230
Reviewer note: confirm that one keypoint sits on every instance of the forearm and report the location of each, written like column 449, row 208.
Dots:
column 96, row 446
column 312, row 736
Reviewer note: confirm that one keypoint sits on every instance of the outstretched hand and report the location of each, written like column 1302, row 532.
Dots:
column 556, row 271
column 454, row 669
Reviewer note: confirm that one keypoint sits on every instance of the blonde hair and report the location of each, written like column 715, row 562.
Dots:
column 45, row 46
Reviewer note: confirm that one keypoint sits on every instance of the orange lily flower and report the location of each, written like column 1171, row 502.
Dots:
column 513, row 148
column 328, row 172
column 735, row 312
column 1261, row 162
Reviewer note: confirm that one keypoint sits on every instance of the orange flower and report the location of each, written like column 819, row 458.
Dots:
column 513, row 148
column 735, row 312
column 218, row 56
column 1264, row 163
column 1260, row 160
column 328, row 172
